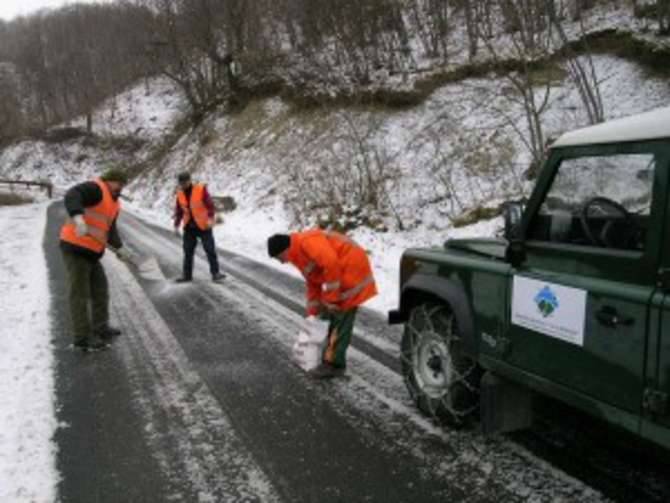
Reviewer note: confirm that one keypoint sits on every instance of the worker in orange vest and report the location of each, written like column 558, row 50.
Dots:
column 194, row 210
column 90, row 227
column 339, row 279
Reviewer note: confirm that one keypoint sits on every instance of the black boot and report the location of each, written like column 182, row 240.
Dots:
column 326, row 371
column 107, row 333
column 90, row 344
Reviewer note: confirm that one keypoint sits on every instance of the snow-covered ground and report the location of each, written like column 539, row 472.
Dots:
column 148, row 110
column 27, row 414
column 248, row 158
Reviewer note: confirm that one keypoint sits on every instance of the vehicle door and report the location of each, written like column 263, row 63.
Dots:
column 580, row 302
column 656, row 395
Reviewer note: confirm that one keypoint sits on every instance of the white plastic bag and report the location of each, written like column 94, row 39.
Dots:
column 308, row 346
column 149, row 269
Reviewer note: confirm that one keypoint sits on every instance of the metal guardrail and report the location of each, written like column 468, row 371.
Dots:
column 47, row 186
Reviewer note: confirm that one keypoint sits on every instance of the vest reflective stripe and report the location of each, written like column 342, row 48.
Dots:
column 313, row 303
column 357, row 289
column 99, row 217
column 308, row 268
column 331, row 286
column 98, row 234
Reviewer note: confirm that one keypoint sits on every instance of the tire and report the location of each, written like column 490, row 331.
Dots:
column 442, row 380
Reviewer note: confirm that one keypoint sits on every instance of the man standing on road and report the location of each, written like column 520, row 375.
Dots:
column 195, row 210
column 92, row 209
column 339, row 279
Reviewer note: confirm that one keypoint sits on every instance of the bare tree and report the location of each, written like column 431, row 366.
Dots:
column 663, row 16
column 349, row 185
column 471, row 25
column 527, row 43
column 10, row 105
column 581, row 69
column 70, row 59
column 194, row 43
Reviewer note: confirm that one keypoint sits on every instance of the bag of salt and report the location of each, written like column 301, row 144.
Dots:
column 308, row 346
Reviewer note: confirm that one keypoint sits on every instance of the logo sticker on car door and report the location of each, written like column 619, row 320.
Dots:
column 550, row 309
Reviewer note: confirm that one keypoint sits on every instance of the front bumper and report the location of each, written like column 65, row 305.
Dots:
column 396, row 316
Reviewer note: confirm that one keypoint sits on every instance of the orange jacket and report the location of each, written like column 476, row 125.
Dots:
column 336, row 269
column 194, row 207
column 98, row 218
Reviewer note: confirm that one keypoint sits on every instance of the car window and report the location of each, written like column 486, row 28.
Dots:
column 601, row 201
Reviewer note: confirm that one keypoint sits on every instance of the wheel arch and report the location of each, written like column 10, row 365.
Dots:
column 423, row 288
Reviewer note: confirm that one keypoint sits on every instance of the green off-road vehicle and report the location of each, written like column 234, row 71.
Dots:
column 574, row 303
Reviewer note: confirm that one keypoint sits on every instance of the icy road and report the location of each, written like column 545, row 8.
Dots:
column 199, row 401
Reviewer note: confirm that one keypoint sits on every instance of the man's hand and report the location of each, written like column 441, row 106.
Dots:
column 330, row 308
column 313, row 309
column 176, row 231
column 210, row 223
column 81, row 229
column 125, row 255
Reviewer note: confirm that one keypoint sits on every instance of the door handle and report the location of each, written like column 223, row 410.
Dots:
column 610, row 317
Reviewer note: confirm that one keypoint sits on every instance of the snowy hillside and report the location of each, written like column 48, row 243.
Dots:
column 249, row 158
column 437, row 167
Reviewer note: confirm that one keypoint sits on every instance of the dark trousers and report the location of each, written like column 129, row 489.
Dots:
column 191, row 235
column 88, row 294
column 340, row 330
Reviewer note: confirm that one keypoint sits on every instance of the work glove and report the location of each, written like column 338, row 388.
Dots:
column 81, row 229
column 176, row 231
column 330, row 308
column 125, row 255
column 312, row 311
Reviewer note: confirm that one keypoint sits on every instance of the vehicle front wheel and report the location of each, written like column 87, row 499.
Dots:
column 441, row 378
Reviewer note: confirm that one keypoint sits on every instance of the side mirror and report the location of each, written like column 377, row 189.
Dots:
column 512, row 212
column 515, row 253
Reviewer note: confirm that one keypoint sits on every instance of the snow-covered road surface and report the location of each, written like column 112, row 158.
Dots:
column 199, row 401
column 240, row 339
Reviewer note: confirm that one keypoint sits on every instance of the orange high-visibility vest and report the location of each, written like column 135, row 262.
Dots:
column 195, row 208
column 336, row 269
column 98, row 218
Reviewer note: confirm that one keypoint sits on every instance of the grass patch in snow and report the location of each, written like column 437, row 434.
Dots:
column 653, row 56
column 12, row 199
column 475, row 215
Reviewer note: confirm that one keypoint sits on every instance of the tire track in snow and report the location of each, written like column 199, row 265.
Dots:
column 189, row 431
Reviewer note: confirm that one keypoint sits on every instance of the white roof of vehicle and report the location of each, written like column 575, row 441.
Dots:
column 646, row 126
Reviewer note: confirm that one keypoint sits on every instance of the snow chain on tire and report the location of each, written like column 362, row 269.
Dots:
column 442, row 381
